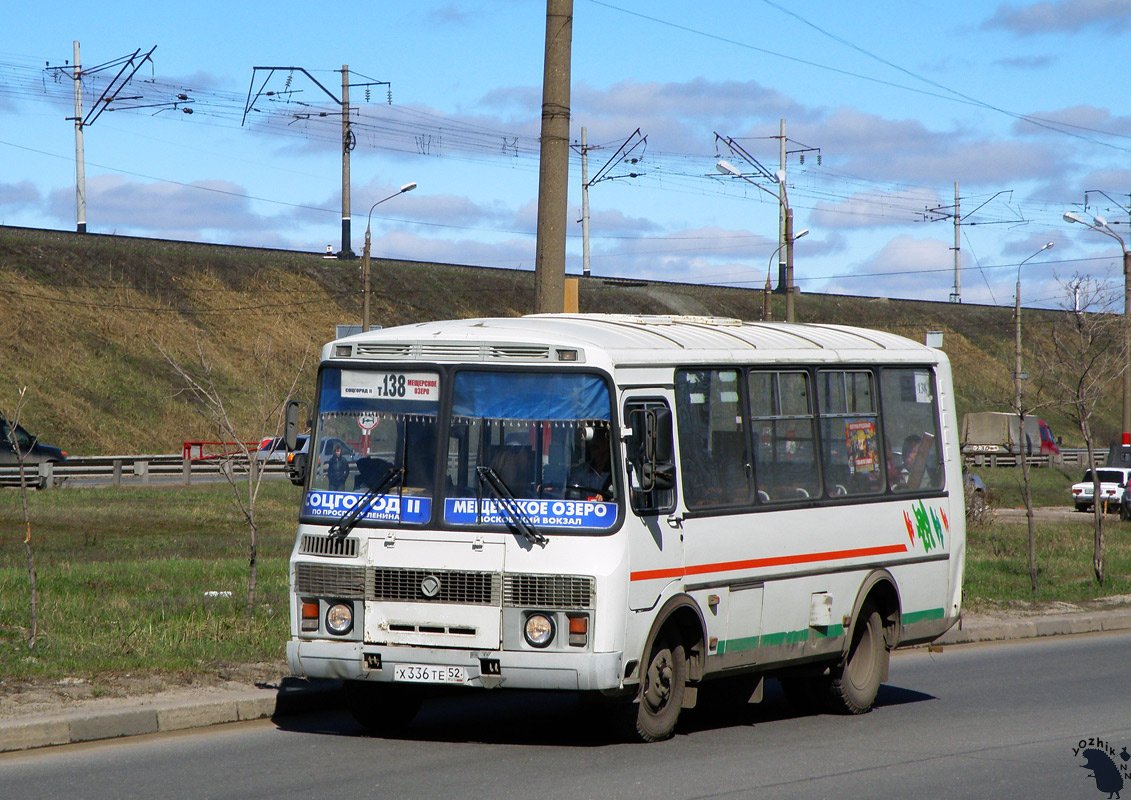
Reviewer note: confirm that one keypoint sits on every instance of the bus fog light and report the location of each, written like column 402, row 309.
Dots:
column 539, row 630
column 339, row 619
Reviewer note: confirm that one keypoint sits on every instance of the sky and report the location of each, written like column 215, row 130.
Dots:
column 888, row 109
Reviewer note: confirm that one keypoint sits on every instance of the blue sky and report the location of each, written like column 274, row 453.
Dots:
column 1021, row 104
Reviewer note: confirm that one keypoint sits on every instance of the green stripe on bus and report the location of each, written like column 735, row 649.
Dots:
column 777, row 639
column 922, row 616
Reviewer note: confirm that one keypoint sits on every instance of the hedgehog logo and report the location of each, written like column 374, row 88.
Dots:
column 1103, row 769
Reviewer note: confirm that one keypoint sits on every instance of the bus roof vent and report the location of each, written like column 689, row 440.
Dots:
column 452, row 351
column 383, row 350
column 519, row 352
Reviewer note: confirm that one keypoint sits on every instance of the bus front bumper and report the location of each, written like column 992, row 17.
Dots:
column 515, row 669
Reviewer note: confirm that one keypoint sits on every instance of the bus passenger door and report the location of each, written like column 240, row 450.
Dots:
column 655, row 541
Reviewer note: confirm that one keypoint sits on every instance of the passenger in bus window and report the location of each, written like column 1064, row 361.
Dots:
column 910, row 450
column 337, row 470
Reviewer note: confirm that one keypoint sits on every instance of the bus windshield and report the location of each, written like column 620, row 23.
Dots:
column 544, row 437
column 521, row 449
column 375, row 428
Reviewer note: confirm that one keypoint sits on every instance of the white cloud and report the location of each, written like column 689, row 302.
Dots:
column 1111, row 16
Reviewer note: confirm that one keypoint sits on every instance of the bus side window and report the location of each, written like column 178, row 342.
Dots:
column 712, row 438
column 849, row 433
column 650, row 456
column 911, row 424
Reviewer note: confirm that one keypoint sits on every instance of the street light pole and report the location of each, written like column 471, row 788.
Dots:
column 726, row 168
column 408, row 187
column 1100, row 224
column 1017, row 323
column 791, row 237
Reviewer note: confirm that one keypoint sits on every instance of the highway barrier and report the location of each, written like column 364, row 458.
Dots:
column 137, row 470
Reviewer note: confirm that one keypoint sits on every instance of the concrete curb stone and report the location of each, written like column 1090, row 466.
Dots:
column 156, row 714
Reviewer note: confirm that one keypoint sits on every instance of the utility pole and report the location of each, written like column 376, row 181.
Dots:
column 783, row 284
column 622, row 155
column 80, row 158
column 132, row 63
column 584, row 204
column 956, row 295
column 348, row 138
column 347, row 146
column 553, row 167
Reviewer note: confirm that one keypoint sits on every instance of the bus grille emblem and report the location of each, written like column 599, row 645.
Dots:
column 430, row 586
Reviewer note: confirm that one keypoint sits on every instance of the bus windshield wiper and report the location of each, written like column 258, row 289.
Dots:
column 349, row 520
column 510, row 506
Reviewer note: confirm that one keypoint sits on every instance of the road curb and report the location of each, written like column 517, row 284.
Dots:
column 978, row 628
column 158, row 713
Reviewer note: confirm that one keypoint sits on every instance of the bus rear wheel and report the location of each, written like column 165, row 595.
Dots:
column 662, row 687
column 856, row 682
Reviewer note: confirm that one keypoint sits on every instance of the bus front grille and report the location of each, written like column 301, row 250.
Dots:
column 321, row 580
column 408, row 585
column 459, row 587
column 548, row 591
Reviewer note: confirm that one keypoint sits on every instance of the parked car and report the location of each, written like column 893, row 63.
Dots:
column 34, row 452
column 1112, row 483
column 273, row 448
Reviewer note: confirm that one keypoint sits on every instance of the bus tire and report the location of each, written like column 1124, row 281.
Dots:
column 856, row 682
column 382, row 708
column 662, row 687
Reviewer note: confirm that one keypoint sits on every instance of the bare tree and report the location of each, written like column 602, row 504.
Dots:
column 1082, row 359
column 10, row 429
column 243, row 473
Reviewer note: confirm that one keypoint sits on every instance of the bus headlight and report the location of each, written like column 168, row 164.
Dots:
column 538, row 630
column 339, row 619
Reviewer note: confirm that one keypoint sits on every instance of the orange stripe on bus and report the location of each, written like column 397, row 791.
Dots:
column 777, row 561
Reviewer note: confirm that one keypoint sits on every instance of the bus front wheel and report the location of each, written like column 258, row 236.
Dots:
column 662, row 688
column 856, row 682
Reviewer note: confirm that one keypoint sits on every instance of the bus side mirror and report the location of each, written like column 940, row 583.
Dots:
column 290, row 425
column 650, row 448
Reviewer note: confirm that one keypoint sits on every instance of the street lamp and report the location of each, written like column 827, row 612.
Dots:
column 769, row 266
column 408, row 187
column 726, row 168
column 1017, row 323
column 1100, row 224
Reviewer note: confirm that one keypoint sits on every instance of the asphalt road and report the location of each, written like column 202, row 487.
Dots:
column 973, row 721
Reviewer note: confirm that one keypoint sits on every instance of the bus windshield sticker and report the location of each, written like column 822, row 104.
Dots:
column 384, row 508
column 547, row 514
column 391, row 385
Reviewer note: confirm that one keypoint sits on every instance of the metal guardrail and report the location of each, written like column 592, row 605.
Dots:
column 1068, row 457
column 130, row 470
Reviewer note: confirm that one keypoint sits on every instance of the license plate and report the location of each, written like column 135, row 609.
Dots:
column 429, row 673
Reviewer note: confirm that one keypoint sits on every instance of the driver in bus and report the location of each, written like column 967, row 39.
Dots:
column 595, row 471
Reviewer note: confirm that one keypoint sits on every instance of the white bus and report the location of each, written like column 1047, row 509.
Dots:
column 658, row 510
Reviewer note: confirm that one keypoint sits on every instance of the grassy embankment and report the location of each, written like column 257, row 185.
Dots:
column 123, row 575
